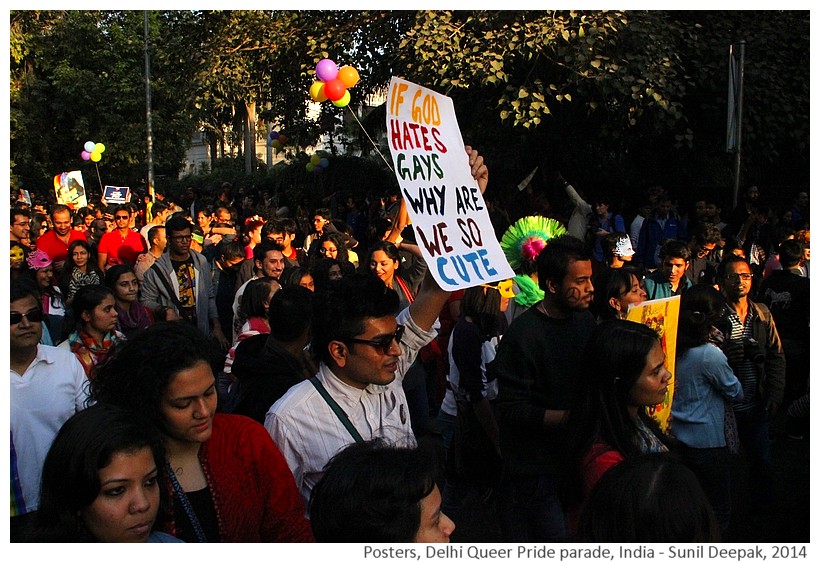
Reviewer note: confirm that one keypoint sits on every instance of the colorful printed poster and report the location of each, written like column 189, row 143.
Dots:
column 446, row 207
column 70, row 189
column 116, row 194
column 661, row 315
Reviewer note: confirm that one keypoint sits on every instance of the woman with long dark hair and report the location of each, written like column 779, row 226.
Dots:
column 615, row 290
column 229, row 481
column 132, row 316
column 625, row 371
column 102, row 480
column 385, row 262
column 293, row 276
column 704, row 382
column 95, row 333
column 80, row 269
column 332, row 244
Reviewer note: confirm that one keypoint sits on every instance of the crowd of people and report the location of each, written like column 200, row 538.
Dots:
column 161, row 349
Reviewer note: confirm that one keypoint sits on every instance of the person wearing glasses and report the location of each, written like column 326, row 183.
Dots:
column 365, row 349
column 705, row 244
column 321, row 221
column 178, row 285
column 365, row 346
column 755, row 354
column 122, row 245
column 20, row 225
column 48, row 385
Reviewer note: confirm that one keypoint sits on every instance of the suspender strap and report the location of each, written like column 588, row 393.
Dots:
column 340, row 414
column 186, row 506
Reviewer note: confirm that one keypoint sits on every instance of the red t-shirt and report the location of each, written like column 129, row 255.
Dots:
column 56, row 249
column 122, row 250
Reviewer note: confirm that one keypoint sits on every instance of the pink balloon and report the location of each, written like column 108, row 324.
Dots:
column 326, row 70
column 86, row 155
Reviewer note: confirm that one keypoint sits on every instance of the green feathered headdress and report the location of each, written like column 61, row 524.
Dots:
column 527, row 237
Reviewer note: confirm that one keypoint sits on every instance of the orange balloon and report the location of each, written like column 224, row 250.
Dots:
column 348, row 75
column 317, row 92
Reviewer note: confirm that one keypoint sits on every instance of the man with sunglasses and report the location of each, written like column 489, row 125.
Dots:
column 365, row 349
column 755, row 354
column 48, row 385
column 122, row 245
column 705, row 245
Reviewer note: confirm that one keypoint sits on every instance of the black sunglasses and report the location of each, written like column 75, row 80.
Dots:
column 383, row 342
column 33, row 316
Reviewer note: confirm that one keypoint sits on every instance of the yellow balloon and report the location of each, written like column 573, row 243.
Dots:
column 344, row 101
column 95, row 156
column 99, row 147
column 315, row 159
column 317, row 92
column 349, row 76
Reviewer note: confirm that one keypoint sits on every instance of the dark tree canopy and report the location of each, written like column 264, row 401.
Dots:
column 615, row 100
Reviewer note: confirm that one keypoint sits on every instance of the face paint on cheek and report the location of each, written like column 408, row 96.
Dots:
column 572, row 295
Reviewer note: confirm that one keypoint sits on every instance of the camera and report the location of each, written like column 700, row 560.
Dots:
column 752, row 351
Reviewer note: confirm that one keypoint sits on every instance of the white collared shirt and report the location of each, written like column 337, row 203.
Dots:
column 308, row 432
column 51, row 390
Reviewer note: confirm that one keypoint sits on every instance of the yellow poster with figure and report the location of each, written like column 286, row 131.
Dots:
column 661, row 315
column 70, row 190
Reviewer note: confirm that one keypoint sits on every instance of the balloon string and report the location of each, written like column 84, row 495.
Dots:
column 353, row 113
column 98, row 178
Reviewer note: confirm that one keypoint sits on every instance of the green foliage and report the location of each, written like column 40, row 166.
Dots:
column 613, row 99
column 617, row 98
column 81, row 77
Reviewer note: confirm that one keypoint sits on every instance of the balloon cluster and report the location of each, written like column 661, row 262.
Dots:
column 92, row 151
column 333, row 83
column 276, row 139
column 317, row 164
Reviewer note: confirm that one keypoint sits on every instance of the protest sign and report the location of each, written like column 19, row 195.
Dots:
column 70, row 189
column 446, row 207
column 661, row 315
column 116, row 194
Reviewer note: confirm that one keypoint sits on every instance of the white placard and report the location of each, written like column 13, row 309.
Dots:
column 450, row 220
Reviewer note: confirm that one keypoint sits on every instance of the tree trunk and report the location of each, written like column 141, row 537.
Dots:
column 213, row 147
column 250, row 137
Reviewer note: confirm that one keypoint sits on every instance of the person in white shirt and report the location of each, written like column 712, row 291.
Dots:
column 365, row 349
column 48, row 385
